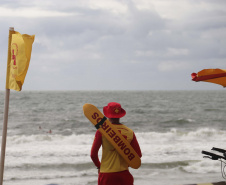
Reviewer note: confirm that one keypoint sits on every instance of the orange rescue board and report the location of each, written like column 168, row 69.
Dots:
column 112, row 135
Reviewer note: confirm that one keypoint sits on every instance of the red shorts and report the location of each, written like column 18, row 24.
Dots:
column 116, row 178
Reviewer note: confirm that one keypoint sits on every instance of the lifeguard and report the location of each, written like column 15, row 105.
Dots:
column 113, row 169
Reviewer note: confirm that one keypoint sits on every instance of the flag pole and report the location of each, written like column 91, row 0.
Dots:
column 5, row 122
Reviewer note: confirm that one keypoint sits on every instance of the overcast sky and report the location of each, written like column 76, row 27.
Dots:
column 117, row 44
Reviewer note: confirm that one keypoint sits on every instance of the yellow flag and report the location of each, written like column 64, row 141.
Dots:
column 19, row 55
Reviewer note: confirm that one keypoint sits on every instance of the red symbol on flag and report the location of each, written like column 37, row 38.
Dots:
column 14, row 53
column 13, row 57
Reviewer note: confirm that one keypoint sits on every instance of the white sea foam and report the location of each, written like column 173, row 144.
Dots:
column 46, row 150
column 204, row 166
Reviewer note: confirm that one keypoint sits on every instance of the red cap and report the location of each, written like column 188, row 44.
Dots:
column 114, row 110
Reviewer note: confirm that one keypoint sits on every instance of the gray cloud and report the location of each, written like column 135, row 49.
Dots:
column 120, row 45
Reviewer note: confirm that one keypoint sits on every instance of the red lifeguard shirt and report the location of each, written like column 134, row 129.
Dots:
column 111, row 161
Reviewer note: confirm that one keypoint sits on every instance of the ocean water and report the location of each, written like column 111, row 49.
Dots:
column 172, row 127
